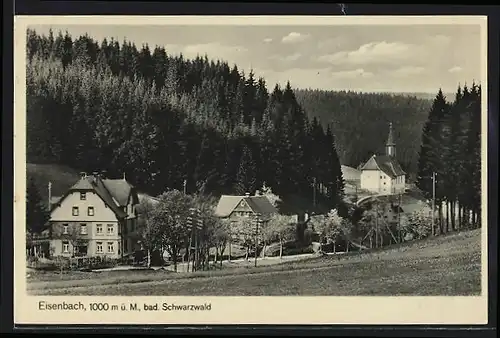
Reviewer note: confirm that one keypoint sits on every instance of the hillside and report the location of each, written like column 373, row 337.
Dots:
column 360, row 121
column 416, row 268
column 164, row 120
column 61, row 177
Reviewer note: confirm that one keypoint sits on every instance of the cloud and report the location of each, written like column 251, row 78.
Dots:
column 268, row 40
column 373, row 52
column 332, row 42
column 440, row 39
column 352, row 74
column 294, row 37
column 213, row 50
column 408, row 71
column 286, row 58
column 456, row 69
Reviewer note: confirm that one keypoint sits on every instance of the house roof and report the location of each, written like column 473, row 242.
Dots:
column 258, row 204
column 115, row 193
column 388, row 164
column 119, row 189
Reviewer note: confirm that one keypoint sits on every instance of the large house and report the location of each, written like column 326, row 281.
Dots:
column 382, row 174
column 95, row 217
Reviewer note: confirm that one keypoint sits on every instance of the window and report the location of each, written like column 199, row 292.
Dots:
column 83, row 196
column 381, row 177
column 83, row 229
column 111, row 247
column 125, row 245
column 110, row 229
column 99, row 247
column 75, row 211
column 99, row 229
column 91, row 211
column 65, row 229
column 65, row 247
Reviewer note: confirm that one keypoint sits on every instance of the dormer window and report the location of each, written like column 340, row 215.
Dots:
column 83, row 196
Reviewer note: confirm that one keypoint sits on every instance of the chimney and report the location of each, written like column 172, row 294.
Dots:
column 247, row 194
column 83, row 175
column 96, row 176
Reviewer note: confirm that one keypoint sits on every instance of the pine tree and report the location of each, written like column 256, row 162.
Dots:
column 37, row 214
column 246, row 177
column 431, row 152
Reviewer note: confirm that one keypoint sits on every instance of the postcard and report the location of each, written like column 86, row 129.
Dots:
column 250, row 170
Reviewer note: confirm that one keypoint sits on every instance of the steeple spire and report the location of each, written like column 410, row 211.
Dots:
column 390, row 146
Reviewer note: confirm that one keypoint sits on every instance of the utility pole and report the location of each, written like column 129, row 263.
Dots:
column 50, row 195
column 399, row 220
column 314, row 192
column 433, row 202
column 257, row 221
column 191, row 228
column 199, row 226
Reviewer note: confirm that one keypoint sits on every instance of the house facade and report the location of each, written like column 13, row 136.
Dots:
column 237, row 209
column 95, row 217
column 382, row 174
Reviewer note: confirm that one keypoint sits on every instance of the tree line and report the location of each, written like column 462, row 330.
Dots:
column 451, row 151
column 167, row 121
column 359, row 122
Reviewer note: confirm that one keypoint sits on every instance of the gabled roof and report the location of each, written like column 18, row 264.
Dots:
column 114, row 193
column 258, row 204
column 388, row 164
column 120, row 190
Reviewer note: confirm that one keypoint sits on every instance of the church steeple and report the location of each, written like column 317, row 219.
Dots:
column 390, row 146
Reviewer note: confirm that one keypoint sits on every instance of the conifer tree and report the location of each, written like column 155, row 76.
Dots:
column 37, row 214
column 246, row 177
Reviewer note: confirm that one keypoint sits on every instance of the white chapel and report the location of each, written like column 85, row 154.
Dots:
column 382, row 174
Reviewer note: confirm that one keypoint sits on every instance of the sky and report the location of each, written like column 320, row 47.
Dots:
column 368, row 58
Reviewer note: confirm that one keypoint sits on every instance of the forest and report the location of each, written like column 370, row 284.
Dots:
column 451, row 152
column 360, row 123
column 166, row 121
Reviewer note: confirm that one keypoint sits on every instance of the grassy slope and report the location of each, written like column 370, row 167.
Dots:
column 447, row 265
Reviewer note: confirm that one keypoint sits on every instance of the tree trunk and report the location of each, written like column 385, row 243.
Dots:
column 281, row 248
column 149, row 258
column 334, row 247
column 247, row 252
column 459, row 225
column 440, row 211
column 174, row 257
column 448, row 213
column 454, row 215
column 215, row 255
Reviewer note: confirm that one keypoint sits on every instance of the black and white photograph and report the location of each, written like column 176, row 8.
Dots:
column 240, row 159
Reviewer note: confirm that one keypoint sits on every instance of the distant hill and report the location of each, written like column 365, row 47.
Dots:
column 423, row 96
column 360, row 122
